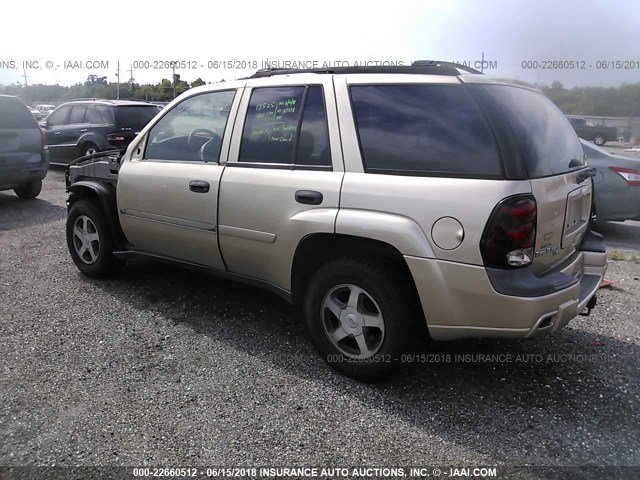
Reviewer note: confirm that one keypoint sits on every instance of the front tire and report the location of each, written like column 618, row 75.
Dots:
column 360, row 317
column 599, row 140
column 29, row 190
column 89, row 241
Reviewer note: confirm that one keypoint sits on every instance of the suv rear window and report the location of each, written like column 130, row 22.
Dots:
column 15, row 114
column 135, row 117
column 545, row 138
column 423, row 129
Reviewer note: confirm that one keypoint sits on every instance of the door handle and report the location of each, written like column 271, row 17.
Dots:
column 199, row 186
column 309, row 197
column 57, row 133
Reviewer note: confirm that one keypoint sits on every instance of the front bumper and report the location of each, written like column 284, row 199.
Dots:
column 460, row 300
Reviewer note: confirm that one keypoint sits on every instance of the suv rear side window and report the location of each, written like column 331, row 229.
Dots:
column 77, row 114
column 423, row 129
column 98, row 115
column 286, row 125
column 544, row 136
column 15, row 114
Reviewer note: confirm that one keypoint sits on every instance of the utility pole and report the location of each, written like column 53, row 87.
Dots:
column 482, row 64
column 26, row 85
column 131, row 79
column 118, row 80
column 173, row 66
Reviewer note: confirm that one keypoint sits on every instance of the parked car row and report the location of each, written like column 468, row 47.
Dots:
column 85, row 127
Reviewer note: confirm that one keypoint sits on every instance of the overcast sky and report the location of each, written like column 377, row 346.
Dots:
column 508, row 32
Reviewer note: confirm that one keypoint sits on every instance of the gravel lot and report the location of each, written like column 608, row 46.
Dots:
column 165, row 367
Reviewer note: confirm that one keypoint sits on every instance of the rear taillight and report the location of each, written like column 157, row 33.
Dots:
column 116, row 138
column 632, row 177
column 510, row 235
column 43, row 138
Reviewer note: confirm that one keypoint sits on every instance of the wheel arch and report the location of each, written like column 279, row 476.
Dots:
column 91, row 137
column 316, row 249
column 104, row 196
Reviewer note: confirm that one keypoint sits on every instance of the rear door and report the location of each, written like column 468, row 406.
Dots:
column 282, row 181
column 554, row 163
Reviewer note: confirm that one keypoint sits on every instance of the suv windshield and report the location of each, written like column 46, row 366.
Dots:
column 545, row 138
column 134, row 116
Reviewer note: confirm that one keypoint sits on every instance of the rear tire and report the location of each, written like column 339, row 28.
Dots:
column 89, row 241
column 29, row 190
column 599, row 140
column 89, row 149
column 360, row 317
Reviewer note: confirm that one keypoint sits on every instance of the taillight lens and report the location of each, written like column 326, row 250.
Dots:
column 510, row 235
column 632, row 177
column 43, row 138
column 116, row 138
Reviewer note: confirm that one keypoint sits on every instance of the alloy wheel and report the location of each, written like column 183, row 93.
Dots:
column 353, row 321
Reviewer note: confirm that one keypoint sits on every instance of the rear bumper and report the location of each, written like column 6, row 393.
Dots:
column 461, row 301
column 12, row 176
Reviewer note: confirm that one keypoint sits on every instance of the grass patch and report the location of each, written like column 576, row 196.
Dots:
column 616, row 255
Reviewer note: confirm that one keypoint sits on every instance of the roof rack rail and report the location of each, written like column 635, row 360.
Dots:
column 91, row 98
column 459, row 66
column 424, row 67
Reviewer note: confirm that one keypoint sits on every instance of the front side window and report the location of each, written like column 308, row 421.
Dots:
column 287, row 126
column 192, row 130
column 423, row 129
column 59, row 117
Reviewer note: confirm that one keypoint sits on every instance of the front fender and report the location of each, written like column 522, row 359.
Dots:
column 105, row 194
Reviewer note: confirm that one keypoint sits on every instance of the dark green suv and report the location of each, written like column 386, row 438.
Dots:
column 87, row 126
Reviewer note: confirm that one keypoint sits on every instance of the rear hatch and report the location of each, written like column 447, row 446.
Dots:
column 20, row 136
column 129, row 121
column 551, row 157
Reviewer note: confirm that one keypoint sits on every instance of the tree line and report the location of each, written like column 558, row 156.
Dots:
column 623, row 101
column 98, row 87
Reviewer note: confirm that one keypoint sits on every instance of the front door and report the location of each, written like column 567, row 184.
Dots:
column 168, row 193
column 61, row 140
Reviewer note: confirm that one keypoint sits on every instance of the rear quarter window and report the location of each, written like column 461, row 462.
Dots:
column 545, row 138
column 15, row 114
column 135, row 116
column 423, row 129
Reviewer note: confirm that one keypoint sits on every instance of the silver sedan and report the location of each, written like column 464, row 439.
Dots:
column 616, row 184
